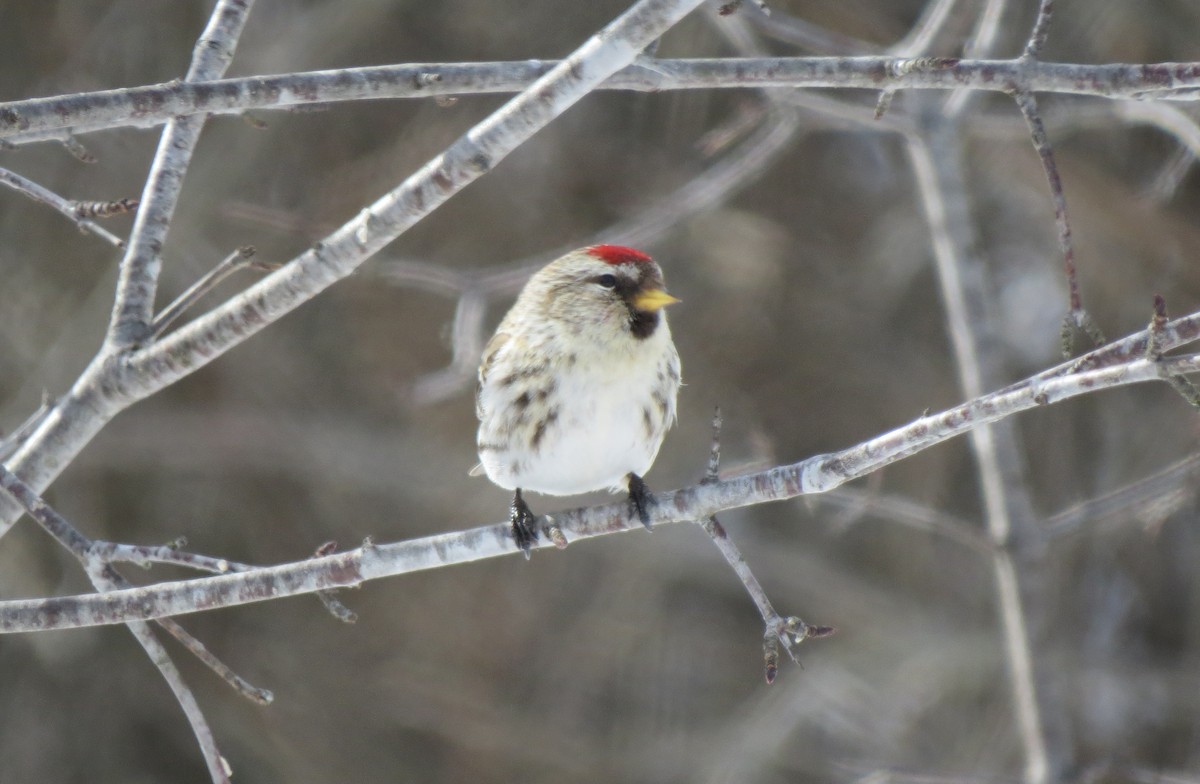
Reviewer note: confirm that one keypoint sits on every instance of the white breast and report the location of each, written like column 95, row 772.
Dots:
column 609, row 419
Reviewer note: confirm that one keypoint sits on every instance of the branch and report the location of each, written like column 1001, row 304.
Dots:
column 77, row 212
column 40, row 119
column 814, row 475
column 137, row 280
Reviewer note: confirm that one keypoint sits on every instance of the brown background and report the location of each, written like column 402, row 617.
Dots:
column 811, row 315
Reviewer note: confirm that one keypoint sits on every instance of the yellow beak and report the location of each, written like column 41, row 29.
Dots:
column 652, row 300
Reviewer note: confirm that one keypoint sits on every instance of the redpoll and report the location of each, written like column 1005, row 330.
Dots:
column 577, row 387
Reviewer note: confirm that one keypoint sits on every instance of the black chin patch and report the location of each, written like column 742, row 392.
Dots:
column 642, row 323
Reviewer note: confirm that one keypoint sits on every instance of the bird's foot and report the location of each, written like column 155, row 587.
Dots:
column 524, row 524
column 640, row 500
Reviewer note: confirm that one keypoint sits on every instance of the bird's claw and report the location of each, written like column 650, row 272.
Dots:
column 524, row 524
column 640, row 500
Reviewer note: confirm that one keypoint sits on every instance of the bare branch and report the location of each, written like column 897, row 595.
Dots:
column 39, row 119
column 1077, row 317
column 1041, row 27
column 218, row 767
column 790, row 631
column 240, row 259
column 76, row 211
column 105, row 578
column 1170, row 487
column 371, row 561
column 137, row 282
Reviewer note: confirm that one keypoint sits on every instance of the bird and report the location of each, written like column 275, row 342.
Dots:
column 578, row 385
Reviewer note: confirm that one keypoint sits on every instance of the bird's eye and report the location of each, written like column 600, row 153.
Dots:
column 607, row 281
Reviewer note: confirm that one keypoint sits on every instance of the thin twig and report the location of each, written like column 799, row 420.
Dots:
column 790, row 631
column 241, row 258
column 105, row 578
column 331, row 602
column 1154, row 352
column 979, row 45
column 72, row 209
column 13, row 440
column 905, row 512
column 1077, row 317
column 1177, row 482
column 145, row 555
column 218, row 768
column 929, row 25
column 1041, row 26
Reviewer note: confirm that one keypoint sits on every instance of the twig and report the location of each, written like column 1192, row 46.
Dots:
column 351, row 568
column 1170, row 175
column 13, row 440
column 145, row 555
column 1154, row 352
column 241, row 258
column 931, row 23
column 790, row 631
column 72, row 209
column 1076, row 317
column 905, row 512
column 76, row 148
column 1177, row 482
column 137, row 283
column 1041, row 25
column 978, row 45
column 218, row 768
column 335, row 607
column 920, row 38
column 105, row 578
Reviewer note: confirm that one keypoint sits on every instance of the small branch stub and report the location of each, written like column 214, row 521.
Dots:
column 791, row 632
column 1154, row 352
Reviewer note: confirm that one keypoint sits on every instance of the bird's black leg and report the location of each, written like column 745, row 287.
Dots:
column 640, row 500
column 524, row 523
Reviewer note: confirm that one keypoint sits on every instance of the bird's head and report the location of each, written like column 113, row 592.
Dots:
column 611, row 291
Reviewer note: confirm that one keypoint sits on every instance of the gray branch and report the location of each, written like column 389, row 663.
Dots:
column 133, row 305
column 41, row 119
column 1112, row 366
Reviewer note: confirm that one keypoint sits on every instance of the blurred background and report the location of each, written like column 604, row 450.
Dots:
column 810, row 314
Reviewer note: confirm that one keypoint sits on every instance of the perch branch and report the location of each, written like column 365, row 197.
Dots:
column 814, row 475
